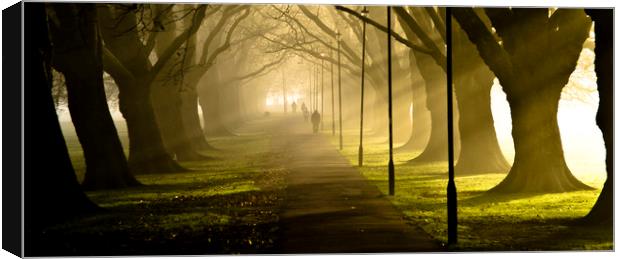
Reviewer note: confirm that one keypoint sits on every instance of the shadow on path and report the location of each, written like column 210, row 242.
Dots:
column 330, row 207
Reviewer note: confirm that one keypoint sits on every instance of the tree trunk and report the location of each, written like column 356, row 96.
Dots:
column 533, row 63
column 166, row 95
column 420, row 116
column 436, row 149
column 434, row 76
column 480, row 152
column 147, row 153
column 539, row 164
column 420, row 133
column 378, row 111
column 49, row 195
column 602, row 212
column 229, row 105
column 191, row 120
column 209, row 96
column 402, row 125
column 77, row 49
column 168, row 105
column 188, row 95
column 236, row 106
column 214, row 123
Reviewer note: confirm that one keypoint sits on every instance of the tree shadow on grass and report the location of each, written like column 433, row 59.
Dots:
column 470, row 174
column 432, row 177
column 242, row 222
column 484, row 197
column 193, row 181
column 569, row 234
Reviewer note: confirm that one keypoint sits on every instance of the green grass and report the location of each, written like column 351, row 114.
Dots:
column 486, row 222
column 228, row 204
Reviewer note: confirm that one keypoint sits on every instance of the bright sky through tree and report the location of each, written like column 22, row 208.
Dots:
column 582, row 140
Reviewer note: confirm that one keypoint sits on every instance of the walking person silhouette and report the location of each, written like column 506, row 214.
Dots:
column 316, row 119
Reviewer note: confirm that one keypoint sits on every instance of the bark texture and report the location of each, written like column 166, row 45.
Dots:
column 78, row 56
column 420, row 116
column 537, row 54
column 168, row 89
column 480, row 152
column 126, row 60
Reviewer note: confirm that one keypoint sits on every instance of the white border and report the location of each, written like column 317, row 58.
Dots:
column 524, row 3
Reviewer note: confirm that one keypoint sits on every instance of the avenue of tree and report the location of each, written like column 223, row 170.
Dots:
column 168, row 61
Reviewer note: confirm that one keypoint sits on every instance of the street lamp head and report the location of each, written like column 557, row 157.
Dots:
column 338, row 35
column 322, row 54
column 365, row 12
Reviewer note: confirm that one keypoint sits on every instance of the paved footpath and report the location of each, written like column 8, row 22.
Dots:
column 329, row 205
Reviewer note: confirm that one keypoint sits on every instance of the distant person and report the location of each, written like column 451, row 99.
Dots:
column 294, row 107
column 316, row 119
column 305, row 112
column 303, row 107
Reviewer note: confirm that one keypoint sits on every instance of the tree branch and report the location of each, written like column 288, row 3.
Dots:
column 397, row 37
column 357, row 28
column 176, row 43
column 353, row 58
column 491, row 52
column 226, row 44
column 115, row 67
column 346, row 49
column 439, row 24
column 427, row 41
column 226, row 14
column 318, row 21
column 259, row 71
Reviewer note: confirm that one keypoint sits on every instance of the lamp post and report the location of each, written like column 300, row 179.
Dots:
column 322, row 88
column 316, row 86
column 284, row 88
column 339, row 90
column 389, row 44
column 310, row 86
column 313, row 83
column 331, row 73
column 360, row 159
column 284, row 91
column 451, row 190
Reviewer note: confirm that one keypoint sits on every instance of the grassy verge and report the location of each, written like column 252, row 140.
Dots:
column 486, row 222
column 224, row 205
